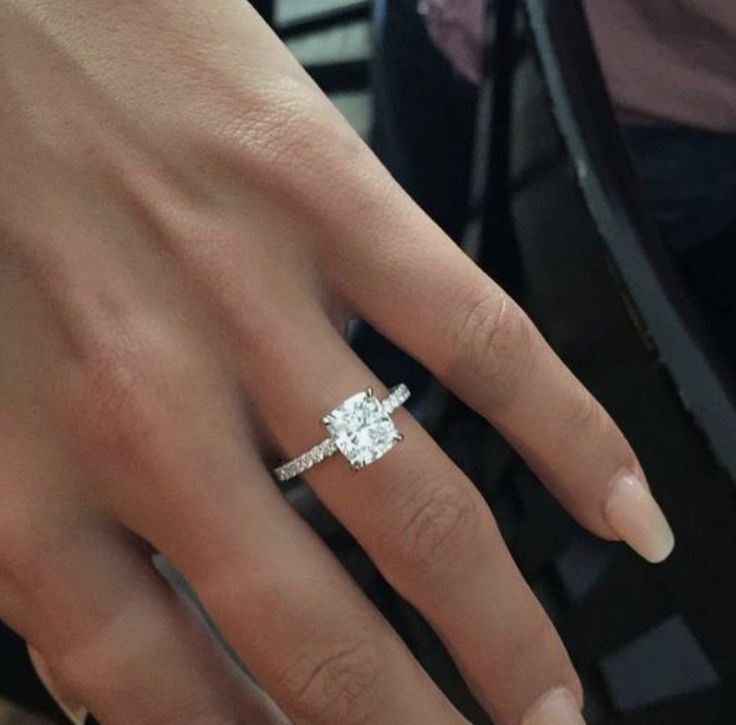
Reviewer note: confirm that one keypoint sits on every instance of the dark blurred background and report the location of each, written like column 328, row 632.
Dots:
column 614, row 224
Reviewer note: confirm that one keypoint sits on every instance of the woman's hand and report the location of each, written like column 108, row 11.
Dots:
column 186, row 225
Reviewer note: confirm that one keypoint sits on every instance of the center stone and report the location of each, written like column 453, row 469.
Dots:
column 361, row 429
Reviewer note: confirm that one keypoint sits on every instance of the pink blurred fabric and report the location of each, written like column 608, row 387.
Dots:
column 669, row 60
column 457, row 27
column 665, row 61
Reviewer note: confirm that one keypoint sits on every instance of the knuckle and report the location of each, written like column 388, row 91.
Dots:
column 535, row 642
column 444, row 525
column 493, row 342
column 584, row 414
column 116, row 404
column 81, row 674
column 344, row 684
column 284, row 137
column 271, row 123
column 336, row 680
column 85, row 659
column 18, row 551
column 108, row 649
column 126, row 400
column 25, row 563
column 118, row 646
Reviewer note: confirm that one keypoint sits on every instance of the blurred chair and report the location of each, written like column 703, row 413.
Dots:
column 653, row 645
column 565, row 228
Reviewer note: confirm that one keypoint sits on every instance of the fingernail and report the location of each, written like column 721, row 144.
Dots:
column 635, row 516
column 556, row 707
column 76, row 713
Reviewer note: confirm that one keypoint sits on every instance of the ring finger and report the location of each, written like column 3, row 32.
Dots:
column 424, row 525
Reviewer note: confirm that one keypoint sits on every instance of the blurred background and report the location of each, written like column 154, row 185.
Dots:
column 583, row 153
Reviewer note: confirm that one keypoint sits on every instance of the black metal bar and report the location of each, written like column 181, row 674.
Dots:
column 326, row 20
column 499, row 250
column 342, row 77
column 265, row 8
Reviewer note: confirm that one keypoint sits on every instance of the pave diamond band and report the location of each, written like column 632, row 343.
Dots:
column 396, row 397
column 360, row 428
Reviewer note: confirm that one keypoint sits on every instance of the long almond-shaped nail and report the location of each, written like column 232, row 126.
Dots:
column 635, row 516
column 76, row 713
column 556, row 707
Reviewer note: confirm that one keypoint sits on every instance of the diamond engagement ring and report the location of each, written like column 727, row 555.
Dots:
column 360, row 428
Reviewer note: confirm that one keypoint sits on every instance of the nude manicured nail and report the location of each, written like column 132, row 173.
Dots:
column 76, row 713
column 635, row 516
column 556, row 707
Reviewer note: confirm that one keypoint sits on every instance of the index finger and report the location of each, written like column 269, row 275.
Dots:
column 420, row 290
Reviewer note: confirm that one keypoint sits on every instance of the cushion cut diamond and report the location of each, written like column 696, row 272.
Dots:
column 362, row 430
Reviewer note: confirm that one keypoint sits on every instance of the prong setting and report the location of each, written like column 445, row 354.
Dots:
column 360, row 428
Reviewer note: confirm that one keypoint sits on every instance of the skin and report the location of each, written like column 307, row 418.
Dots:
column 186, row 226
